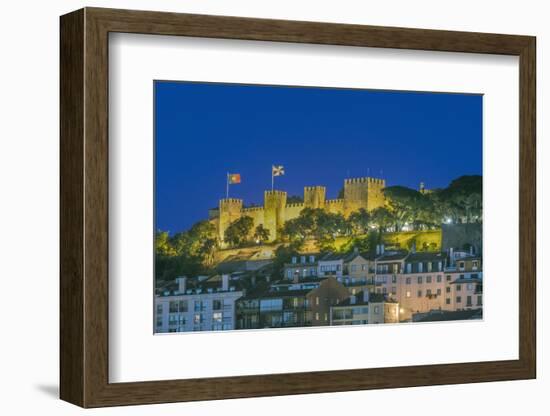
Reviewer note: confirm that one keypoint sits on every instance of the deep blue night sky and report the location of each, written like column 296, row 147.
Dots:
column 320, row 135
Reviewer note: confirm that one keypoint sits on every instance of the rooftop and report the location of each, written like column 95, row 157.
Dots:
column 437, row 316
column 426, row 256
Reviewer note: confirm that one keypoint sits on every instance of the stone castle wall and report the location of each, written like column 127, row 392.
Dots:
column 366, row 193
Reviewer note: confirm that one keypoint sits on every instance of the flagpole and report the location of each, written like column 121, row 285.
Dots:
column 272, row 178
column 227, row 186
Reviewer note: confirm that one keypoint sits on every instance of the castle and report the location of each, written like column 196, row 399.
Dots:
column 359, row 193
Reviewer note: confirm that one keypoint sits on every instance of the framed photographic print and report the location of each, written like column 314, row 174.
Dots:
column 256, row 207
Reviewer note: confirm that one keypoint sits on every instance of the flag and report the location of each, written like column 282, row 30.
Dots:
column 233, row 178
column 278, row 170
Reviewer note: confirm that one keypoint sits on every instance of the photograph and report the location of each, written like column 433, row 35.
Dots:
column 285, row 206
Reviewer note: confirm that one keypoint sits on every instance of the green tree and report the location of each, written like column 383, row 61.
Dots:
column 382, row 218
column 238, row 232
column 359, row 221
column 261, row 234
column 462, row 199
column 407, row 205
column 163, row 246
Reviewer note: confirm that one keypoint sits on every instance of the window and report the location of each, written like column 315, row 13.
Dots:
column 458, row 288
column 159, row 320
column 448, row 289
column 294, row 260
column 419, row 279
column 419, row 294
column 474, row 276
column 408, row 294
column 448, row 301
column 377, row 309
column 479, row 300
column 448, row 278
column 302, row 259
column 458, row 299
column 217, row 304
column 198, row 305
column 461, row 276
column 217, row 317
column 429, row 267
column 394, row 290
column 438, row 292
column 384, row 290
column 428, row 279
column 271, row 305
column 289, row 274
column 316, row 316
column 474, row 264
column 470, row 286
column 468, row 301
column 312, row 259
column 159, row 309
column 353, row 267
column 317, row 301
column 173, row 306
column 178, row 306
column 428, row 292
column 439, row 278
column 408, row 281
column 197, row 318
column 394, row 279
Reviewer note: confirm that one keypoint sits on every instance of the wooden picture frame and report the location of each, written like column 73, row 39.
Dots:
column 84, row 207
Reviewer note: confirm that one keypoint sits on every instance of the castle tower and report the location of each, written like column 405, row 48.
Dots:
column 366, row 193
column 314, row 196
column 274, row 212
column 230, row 210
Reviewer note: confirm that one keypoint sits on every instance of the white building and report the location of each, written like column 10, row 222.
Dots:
column 198, row 305
column 331, row 264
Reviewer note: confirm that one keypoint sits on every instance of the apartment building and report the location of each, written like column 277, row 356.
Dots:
column 364, row 308
column 199, row 304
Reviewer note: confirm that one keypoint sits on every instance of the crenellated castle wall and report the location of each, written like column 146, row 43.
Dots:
column 359, row 193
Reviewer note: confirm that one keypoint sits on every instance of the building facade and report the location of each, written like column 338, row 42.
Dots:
column 364, row 308
column 203, row 306
column 290, row 304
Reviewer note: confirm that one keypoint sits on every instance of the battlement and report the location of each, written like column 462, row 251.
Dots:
column 366, row 179
column 230, row 201
column 252, row 209
column 274, row 192
column 359, row 193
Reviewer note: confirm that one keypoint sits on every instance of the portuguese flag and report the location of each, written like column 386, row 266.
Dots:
column 233, row 178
